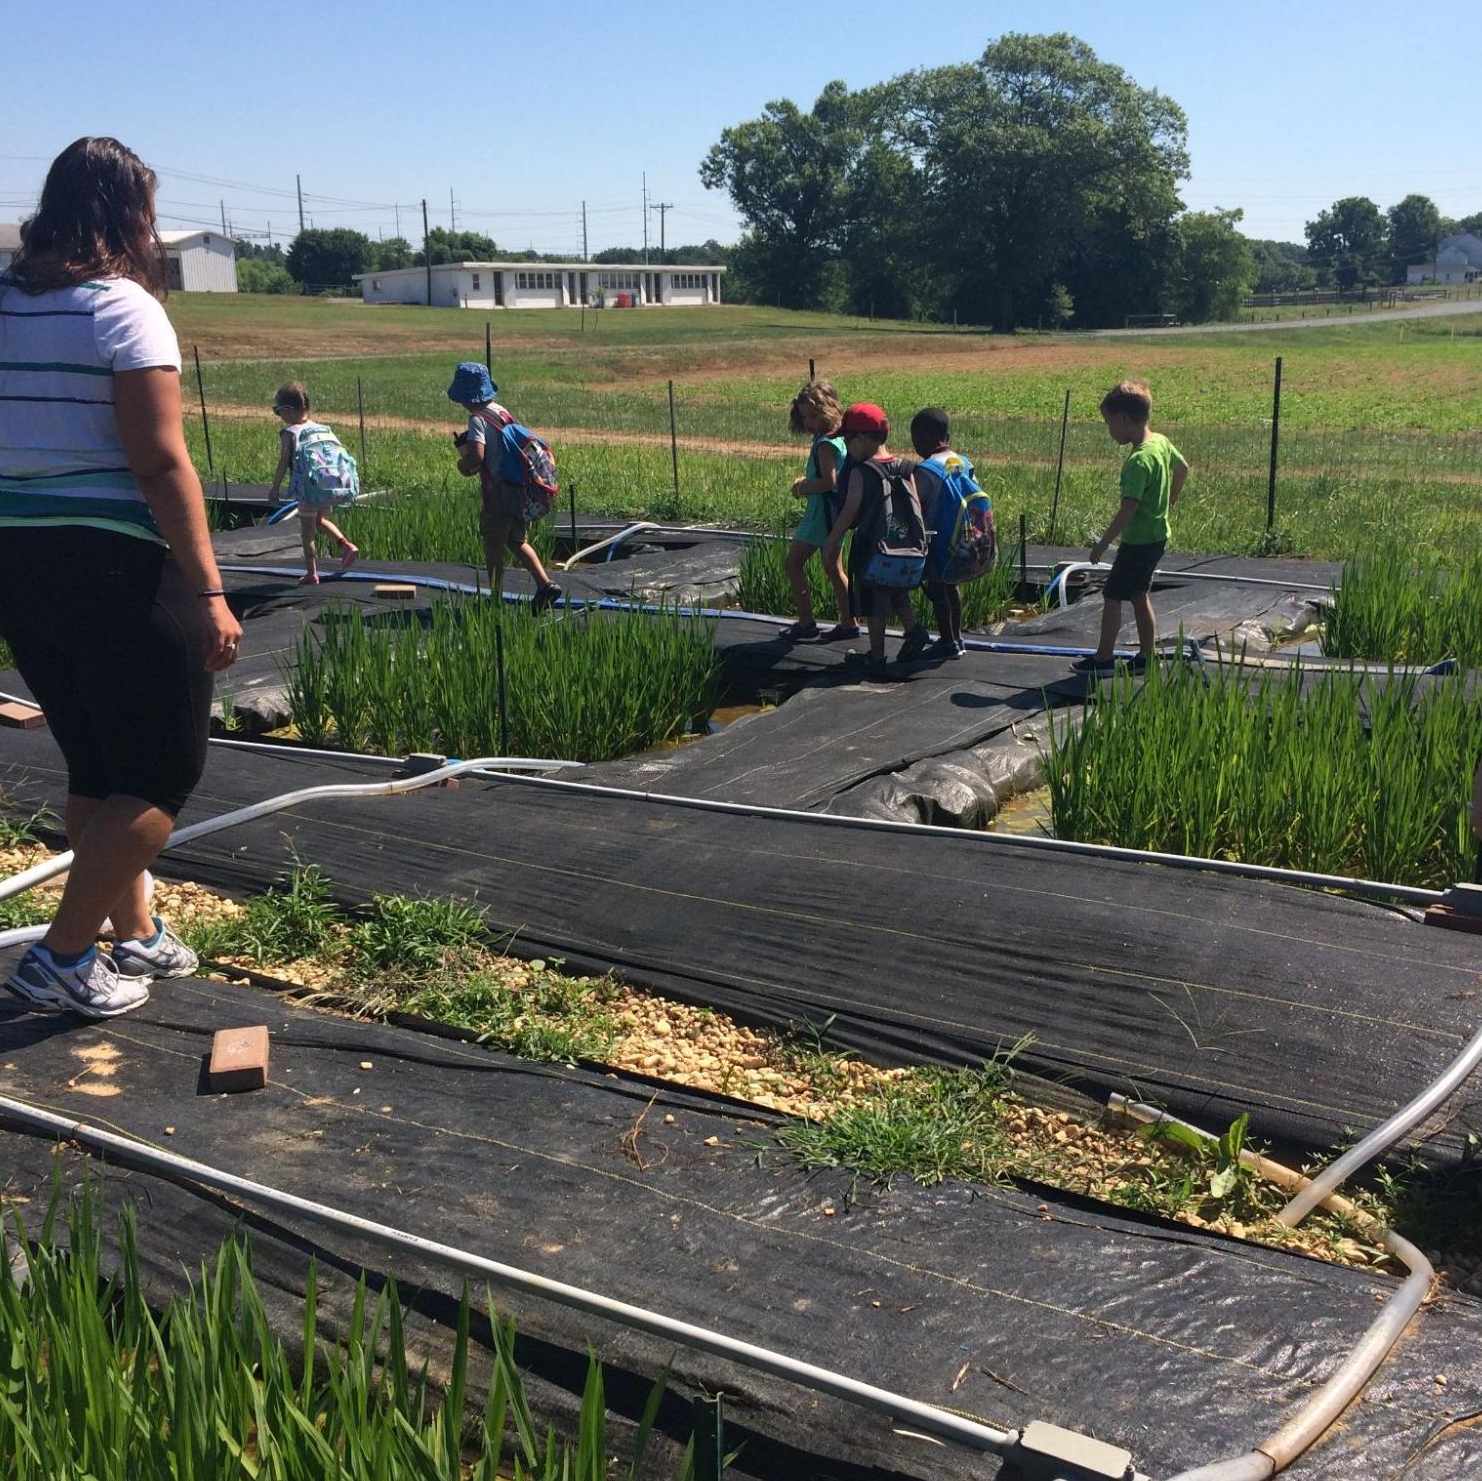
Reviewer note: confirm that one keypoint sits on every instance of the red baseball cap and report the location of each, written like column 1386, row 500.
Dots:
column 865, row 416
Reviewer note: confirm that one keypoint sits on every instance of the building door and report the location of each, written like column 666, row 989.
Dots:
column 173, row 273
column 498, row 290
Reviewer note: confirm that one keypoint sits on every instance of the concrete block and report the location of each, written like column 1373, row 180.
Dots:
column 239, row 1058
column 394, row 591
column 21, row 717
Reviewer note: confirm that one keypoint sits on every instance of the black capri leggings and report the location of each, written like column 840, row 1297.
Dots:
column 98, row 624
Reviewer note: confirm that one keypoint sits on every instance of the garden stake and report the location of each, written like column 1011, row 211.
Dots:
column 360, row 402
column 205, row 420
column 488, row 347
column 503, row 692
column 571, row 489
column 1059, row 469
column 812, row 375
column 674, row 448
column 709, row 1441
column 1275, row 438
column 1023, row 550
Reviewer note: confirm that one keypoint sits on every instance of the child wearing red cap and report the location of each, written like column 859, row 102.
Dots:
column 872, row 470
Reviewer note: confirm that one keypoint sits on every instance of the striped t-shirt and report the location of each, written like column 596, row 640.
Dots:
column 61, row 458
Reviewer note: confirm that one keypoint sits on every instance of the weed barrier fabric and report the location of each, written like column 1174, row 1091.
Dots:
column 1005, row 1304
column 1208, row 994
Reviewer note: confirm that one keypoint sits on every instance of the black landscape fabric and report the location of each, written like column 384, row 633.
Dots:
column 1207, row 994
column 1003, row 1304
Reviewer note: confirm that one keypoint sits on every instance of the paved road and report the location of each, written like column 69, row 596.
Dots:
column 1430, row 311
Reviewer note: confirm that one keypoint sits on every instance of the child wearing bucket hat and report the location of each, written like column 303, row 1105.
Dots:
column 474, row 390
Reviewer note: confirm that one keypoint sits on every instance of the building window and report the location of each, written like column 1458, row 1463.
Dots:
column 687, row 280
column 535, row 280
column 475, row 282
column 617, row 280
column 375, row 285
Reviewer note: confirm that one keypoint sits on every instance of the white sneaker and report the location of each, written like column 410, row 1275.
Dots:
column 165, row 956
column 92, row 987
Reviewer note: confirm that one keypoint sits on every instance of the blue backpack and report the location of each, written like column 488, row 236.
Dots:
column 324, row 473
column 965, row 545
column 527, row 471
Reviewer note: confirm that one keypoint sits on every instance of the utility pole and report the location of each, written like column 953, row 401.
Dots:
column 584, row 248
column 397, row 208
column 224, row 231
column 452, row 211
column 299, row 181
column 645, row 218
column 427, row 250
column 661, row 207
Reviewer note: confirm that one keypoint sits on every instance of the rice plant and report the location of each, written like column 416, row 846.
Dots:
column 1339, row 772
column 1397, row 606
column 583, row 687
column 437, row 525
column 93, row 1383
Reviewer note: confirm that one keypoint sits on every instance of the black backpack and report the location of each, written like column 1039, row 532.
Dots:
column 890, row 533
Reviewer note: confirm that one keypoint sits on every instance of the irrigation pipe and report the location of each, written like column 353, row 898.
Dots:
column 612, row 542
column 1311, row 1421
column 59, row 863
column 1412, row 894
column 896, row 1407
column 1061, row 579
column 1382, row 1138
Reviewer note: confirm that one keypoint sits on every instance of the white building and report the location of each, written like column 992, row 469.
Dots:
column 539, row 285
column 1458, row 260
column 196, row 261
column 200, row 261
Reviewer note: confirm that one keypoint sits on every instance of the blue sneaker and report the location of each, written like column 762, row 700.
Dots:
column 92, row 987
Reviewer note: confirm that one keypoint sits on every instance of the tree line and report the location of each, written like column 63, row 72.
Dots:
column 1033, row 186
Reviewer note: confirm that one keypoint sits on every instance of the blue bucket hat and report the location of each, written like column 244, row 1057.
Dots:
column 472, row 382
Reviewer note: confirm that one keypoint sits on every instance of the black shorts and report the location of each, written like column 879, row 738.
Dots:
column 99, row 623
column 1132, row 571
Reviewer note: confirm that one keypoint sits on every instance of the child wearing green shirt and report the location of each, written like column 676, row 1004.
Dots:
column 1153, row 476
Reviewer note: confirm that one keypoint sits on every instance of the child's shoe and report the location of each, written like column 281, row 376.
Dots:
column 840, row 632
column 876, row 670
column 92, row 986
column 801, row 632
column 543, row 598
column 913, row 645
column 946, row 648
column 163, row 955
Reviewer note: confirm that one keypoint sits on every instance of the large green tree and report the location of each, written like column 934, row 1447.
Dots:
column 1346, row 243
column 1027, row 153
column 320, row 258
column 1414, row 230
column 1215, row 267
column 1281, row 267
column 457, row 246
column 786, row 174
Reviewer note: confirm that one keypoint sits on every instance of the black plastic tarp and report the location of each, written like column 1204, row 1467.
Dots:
column 1004, row 1304
column 1210, row 994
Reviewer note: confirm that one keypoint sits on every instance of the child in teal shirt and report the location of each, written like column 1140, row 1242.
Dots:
column 816, row 410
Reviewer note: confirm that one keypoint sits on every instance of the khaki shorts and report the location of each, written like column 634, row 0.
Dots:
column 501, row 531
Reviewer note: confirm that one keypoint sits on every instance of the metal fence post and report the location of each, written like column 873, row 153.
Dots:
column 1275, row 440
column 1059, row 469
column 360, row 404
column 674, row 446
column 205, row 420
column 709, row 1438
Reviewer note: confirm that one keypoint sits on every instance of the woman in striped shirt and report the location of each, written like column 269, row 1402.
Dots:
column 111, row 599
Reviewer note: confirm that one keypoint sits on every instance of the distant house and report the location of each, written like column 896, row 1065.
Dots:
column 196, row 261
column 538, row 285
column 1458, row 260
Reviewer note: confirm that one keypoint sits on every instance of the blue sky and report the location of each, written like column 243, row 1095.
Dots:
column 526, row 111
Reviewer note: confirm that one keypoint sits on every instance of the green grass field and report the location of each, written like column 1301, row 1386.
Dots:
column 1379, row 422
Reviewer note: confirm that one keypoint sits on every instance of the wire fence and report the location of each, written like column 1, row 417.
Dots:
column 721, row 451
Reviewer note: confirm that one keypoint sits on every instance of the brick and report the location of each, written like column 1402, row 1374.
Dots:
column 394, row 591
column 21, row 717
column 239, row 1059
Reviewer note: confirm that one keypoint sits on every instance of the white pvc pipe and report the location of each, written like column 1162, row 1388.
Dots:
column 647, row 525
column 1062, row 578
column 1322, row 1410
column 59, row 863
column 1382, row 1138
column 1411, row 894
column 896, row 1407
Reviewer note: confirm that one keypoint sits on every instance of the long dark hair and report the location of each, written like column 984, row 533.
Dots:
column 95, row 220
